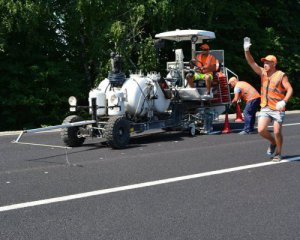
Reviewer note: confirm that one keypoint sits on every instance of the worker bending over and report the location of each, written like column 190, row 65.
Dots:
column 244, row 91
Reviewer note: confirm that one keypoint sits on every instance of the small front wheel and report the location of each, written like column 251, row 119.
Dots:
column 192, row 129
column 117, row 132
column 71, row 136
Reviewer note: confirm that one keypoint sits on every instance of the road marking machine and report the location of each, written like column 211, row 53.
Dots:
column 120, row 106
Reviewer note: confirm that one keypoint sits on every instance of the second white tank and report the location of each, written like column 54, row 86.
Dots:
column 143, row 94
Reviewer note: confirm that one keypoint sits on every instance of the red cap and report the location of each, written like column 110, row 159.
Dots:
column 270, row 58
column 204, row 47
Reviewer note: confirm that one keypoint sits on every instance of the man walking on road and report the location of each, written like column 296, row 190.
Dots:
column 251, row 97
column 276, row 90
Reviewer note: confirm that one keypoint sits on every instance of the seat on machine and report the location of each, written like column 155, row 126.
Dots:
column 189, row 94
column 199, row 91
column 200, row 84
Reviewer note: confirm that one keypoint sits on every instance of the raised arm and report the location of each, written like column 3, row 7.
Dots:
column 249, row 58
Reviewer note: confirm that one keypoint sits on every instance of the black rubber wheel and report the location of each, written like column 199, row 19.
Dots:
column 70, row 135
column 192, row 131
column 117, row 132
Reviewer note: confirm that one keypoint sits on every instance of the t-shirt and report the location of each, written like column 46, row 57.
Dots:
column 237, row 89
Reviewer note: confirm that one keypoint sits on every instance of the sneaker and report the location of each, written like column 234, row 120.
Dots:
column 277, row 158
column 271, row 150
column 243, row 133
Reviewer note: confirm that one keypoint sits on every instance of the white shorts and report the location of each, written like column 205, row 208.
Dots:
column 275, row 115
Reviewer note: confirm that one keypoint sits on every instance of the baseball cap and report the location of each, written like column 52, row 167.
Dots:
column 270, row 58
column 204, row 47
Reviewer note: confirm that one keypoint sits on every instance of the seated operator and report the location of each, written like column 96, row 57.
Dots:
column 205, row 64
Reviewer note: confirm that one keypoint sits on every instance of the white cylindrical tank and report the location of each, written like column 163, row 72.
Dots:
column 143, row 94
column 100, row 101
column 136, row 90
column 115, row 103
column 104, row 85
column 161, row 104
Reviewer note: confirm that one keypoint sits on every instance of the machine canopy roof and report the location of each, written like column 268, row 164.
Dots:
column 186, row 35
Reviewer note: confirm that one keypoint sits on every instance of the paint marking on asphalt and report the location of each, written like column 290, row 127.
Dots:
column 240, row 129
column 289, row 124
column 140, row 185
column 18, row 132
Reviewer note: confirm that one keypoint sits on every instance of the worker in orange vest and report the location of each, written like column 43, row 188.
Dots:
column 244, row 91
column 205, row 66
column 276, row 91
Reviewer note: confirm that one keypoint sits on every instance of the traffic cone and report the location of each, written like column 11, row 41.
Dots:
column 226, row 128
column 239, row 117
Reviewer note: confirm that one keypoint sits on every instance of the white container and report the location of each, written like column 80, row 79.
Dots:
column 104, row 85
column 115, row 103
column 100, row 101
column 161, row 104
column 138, row 91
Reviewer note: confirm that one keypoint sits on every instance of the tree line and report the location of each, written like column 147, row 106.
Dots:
column 51, row 49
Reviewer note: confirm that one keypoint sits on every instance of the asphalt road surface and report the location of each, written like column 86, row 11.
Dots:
column 163, row 186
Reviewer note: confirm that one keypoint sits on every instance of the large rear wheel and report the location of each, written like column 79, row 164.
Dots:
column 117, row 132
column 71, row 136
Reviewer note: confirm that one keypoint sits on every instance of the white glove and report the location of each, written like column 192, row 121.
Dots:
column 280, row 105
column 247, row 44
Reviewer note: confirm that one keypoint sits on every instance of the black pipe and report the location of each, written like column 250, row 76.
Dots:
column 94, row 111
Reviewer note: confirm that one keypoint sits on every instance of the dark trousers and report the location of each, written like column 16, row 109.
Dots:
column 249, row 114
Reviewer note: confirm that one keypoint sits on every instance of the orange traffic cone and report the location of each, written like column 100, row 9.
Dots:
column 239, row 117
column 226, row 128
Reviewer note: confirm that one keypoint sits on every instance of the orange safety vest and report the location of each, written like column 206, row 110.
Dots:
column 205, row 61
column 272, row 90
column 248, row 92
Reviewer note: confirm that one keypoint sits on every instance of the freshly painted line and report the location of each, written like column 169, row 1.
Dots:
column 239, row 129
column 216, row 132
column 290, row 124
column 139, row 185
column 231, row 131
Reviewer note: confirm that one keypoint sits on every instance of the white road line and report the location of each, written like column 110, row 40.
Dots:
column 139, row 185
column 18, row 132
column 290, row 124
column 239, row 129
